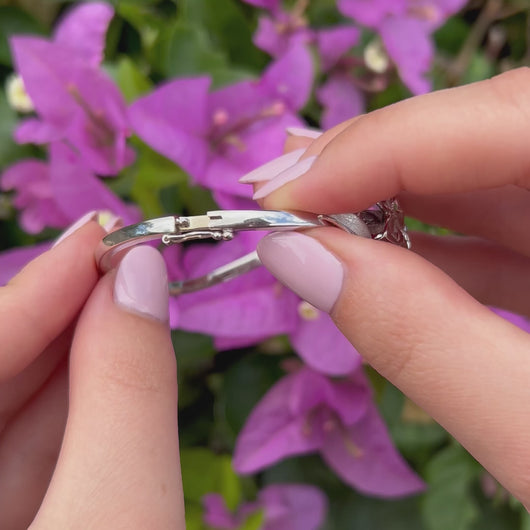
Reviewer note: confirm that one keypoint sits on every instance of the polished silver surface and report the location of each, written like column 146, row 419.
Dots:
column 383, row 222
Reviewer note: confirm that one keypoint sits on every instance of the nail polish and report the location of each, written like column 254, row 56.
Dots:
column 90, row 216
column 284, row 177
column 303, row 265
column 303, row 132
column 269, row 170
column 141, row 284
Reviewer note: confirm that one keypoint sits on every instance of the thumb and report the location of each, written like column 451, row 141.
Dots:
column 119, row 462
column 460, row 362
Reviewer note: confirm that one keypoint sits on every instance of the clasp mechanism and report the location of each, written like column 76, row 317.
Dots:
column 221, row 225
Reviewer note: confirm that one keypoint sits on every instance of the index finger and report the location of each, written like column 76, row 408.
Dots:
column 457, row 140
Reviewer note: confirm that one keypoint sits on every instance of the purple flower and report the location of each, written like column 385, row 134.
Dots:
column 34, row 197
column 281, row 30
column 12, row 261
column 254, row 307
column 405, row 26
column 285, row 507
column 83, row 30
column 237, row 313
column 74, row 100
column 340, row 94
column 56, row 193
column 219, row 136
column 307, row 412
column 517, row 320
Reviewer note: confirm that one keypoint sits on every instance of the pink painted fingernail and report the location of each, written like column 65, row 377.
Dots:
column 284, row 177
column 141, row 284
column 90, row 216
column 269, row 170
column 303, row 265
column 303, row 132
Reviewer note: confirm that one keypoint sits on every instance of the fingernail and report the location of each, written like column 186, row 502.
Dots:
column 305, row 133
column 141, row 284
column 285, row 176
column 303, row 265
column 90, row 216
column 269, row 170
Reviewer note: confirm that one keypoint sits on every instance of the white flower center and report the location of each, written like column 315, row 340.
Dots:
column 375, row 57
column 307, row 311
column 17, row 97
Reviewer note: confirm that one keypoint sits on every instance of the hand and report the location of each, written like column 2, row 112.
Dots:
column 456, row 158
column 88, row 393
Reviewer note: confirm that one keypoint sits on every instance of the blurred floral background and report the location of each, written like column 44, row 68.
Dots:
column 144, row 108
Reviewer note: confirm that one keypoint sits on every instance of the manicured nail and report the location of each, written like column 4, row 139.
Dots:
column 141, row 284
column 303, row 265
column 285, row 176
column 269, row 170
column 90, row 216
column 303, row 132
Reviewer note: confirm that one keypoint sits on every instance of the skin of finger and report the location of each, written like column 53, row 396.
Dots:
column 450, row 141
column 15, row 392
column 44, row 298
column 119, row 464
column 492, row 274
column 500, row 214
column 29, row 447
column 466, row 367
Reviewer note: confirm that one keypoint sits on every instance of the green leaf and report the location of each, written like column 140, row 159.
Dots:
column 451, row 36
column 245, row 383
column 149, row 24
column 190, row 52
column 14, row 21
column 352, row 511
column 479, row 68
column 151, row 174
column 525, row 520
column 205, row 472
column 254, row 521
column 448, row 502
column 194, row 515
column 132, row 82
column 228, row 30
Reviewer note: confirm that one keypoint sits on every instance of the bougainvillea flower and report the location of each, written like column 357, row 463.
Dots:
column 340, row 96
column 405, row 27
column 83, row 30
column 285, row 507
column 254, row 307
column 34, row 197
column 517, row 320
column 320, row 344
column 13, row 260
column 307, row 412
column 279, row 29
column 219, row 136
column 56, row 193
column 74, row 100
column 237, row 313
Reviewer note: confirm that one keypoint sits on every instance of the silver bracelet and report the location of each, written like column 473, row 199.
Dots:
column 383, row 222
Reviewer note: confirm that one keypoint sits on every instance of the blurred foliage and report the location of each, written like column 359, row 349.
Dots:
column 153, row 40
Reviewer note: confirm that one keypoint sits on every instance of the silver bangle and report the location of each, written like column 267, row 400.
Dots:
column 383, row 222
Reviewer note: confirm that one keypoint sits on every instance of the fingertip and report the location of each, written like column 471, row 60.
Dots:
column 141, row 284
